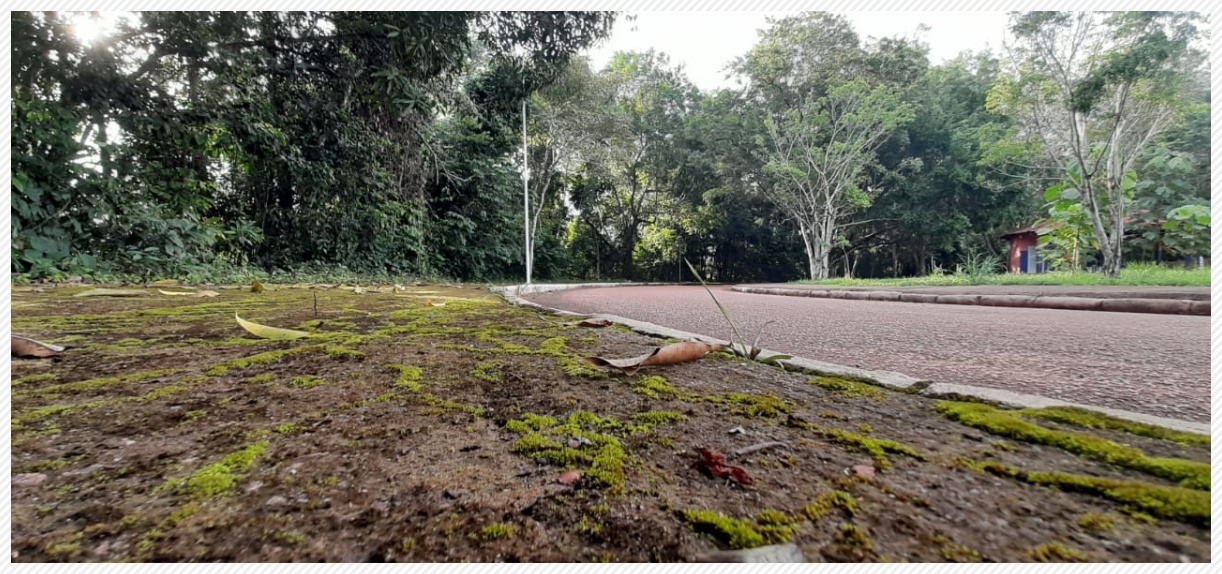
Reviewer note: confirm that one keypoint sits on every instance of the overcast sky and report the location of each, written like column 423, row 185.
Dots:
column 706, row 41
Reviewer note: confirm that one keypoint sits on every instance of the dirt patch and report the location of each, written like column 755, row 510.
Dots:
column 440, row 426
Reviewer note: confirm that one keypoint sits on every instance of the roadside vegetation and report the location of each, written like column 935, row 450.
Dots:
column 1137, row 274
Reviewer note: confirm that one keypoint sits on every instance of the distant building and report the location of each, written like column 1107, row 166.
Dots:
column 1024, row 249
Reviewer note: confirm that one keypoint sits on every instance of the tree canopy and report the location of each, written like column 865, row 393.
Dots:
column 390, row 143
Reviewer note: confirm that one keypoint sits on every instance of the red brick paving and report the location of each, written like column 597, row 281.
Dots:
column 1154, row 364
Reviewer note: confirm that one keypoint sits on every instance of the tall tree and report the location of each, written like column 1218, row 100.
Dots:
column 1093, row 90
column 638, row 158
column 816, row 156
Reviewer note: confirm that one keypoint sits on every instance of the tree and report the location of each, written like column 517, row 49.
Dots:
column 325, row 131
column 816, row 155
column 637, row 158
column 1092, row 91
column 939, row 202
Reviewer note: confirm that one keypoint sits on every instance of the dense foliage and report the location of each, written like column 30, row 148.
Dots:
column 191, row 143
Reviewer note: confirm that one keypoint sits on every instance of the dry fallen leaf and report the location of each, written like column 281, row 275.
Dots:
column 396, row 289
column 433, row 303
column 111, row 293
column 207, row 293
column 569, row 477
column 177, row 293
column 274, row 333
column 26, row 347
column 671, row 354
column 256, row 287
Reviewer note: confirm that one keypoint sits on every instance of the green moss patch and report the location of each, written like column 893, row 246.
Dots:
column 308, row 382
column 490, row 372
column 1092, row 420
column 34, row 379
column 877, row 448
column 825, row 503
column 656, row 387
column 223, row 369
column 94, row 384
column 656, row 418
column 1056, row 552
column 1168, row 502
column 409, row 377
column 338, row 352
column 852, row 389
column 497, row 531
column 217, row 479
column 583, row 438
column 1096, row 522
column 759, row 405
column 1191, row 474
column 442, row 405
column 772, row 527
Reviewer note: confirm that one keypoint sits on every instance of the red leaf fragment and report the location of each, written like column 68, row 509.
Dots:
column 715, row 464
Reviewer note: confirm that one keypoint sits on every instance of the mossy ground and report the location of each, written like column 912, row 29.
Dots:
column 404, row 431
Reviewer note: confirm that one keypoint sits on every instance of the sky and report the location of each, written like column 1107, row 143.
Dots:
column 705, row 42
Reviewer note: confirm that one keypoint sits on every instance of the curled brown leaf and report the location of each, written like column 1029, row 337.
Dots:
column 671, row 354
column 26, row 347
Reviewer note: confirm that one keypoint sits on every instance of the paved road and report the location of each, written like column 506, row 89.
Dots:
column 1155, row 364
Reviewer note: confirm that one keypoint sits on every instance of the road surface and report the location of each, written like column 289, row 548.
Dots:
column 1154, row 364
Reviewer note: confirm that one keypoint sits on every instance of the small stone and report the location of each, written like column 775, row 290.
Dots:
column 256, row 485
column 774, row 553
column 569, row 477
column 738, row 430
column 864, row 470
column 579, row 441
column 28, row 479
column 277, row 500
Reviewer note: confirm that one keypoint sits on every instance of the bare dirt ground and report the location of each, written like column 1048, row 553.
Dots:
column 405, row 430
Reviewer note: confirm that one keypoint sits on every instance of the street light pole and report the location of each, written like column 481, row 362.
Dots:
column 526, row 195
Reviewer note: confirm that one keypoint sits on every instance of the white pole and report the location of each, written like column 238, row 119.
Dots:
column 526, row 193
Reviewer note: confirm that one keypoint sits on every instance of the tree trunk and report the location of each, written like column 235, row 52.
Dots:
column 816, row 251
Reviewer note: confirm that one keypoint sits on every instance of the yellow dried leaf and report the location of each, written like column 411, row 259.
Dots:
column 176, row 293
column 256, row 287
column 207, row 293
column 265, row 332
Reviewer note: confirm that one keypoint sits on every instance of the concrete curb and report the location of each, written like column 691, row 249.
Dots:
column 1117, row 305
column 887, row 379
